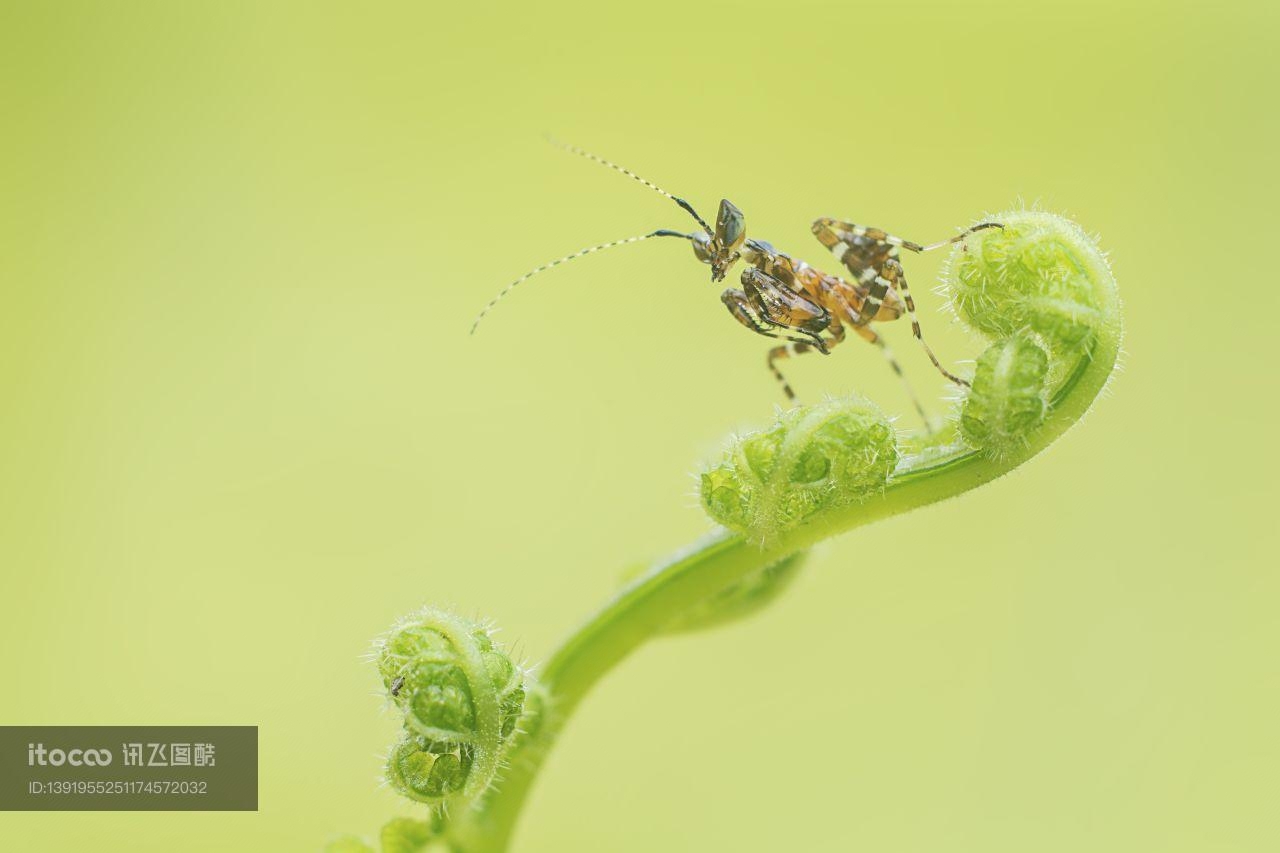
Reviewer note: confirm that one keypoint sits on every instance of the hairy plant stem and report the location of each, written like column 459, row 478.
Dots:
column 643, row 608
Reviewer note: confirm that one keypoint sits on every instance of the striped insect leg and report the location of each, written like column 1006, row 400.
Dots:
column 839, row 236
column 929, row 247
column 872, row 337
column 799, row 348
column 858, row 247
column 895, row 278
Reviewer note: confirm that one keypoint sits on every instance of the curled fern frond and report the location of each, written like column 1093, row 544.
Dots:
column 1038, row 288
column 462, row 698
column 1009, row 398
column 812, row 459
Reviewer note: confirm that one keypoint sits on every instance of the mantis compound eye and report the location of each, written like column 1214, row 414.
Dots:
column 702, row 246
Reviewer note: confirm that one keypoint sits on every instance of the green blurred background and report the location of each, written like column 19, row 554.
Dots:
column 243, row 426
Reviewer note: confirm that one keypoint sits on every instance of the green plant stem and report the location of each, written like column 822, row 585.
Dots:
column 641, row 610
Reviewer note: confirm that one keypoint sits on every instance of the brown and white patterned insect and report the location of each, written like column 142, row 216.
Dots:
column 785, row 298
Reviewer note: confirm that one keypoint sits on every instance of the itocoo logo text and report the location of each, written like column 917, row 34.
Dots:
column 37, row 754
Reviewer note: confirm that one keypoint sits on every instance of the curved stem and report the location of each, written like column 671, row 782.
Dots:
column 643, row 608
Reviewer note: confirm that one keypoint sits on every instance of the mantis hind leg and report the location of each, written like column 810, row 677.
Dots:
column 872, row 337
column 893, row 276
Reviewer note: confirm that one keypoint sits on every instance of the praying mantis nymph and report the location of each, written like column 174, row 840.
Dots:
column 783, row 297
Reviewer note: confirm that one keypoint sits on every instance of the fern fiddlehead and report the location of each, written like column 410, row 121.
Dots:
column 1039, row 289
